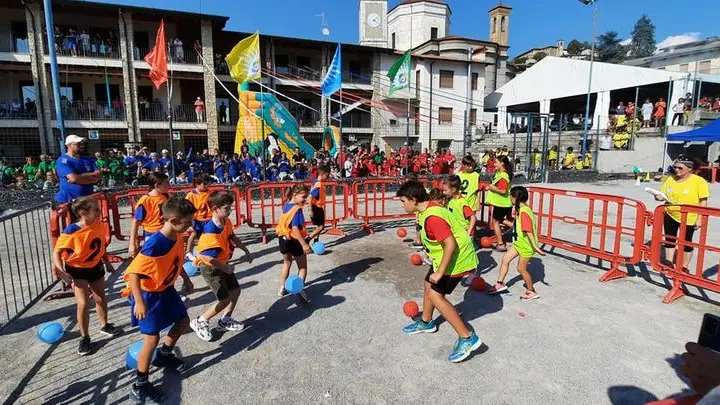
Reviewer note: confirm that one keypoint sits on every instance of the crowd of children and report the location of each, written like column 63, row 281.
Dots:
column 446, row 223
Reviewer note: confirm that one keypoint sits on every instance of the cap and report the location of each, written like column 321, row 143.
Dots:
column 73, row 139
column 165, row 151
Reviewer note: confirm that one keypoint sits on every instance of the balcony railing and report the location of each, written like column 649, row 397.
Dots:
column 86, row 48
column 181, row 113
column 91, row 111
column 357, row 77
column 302, row 73
column 12, row 44
column 14, row 110
column 181, row 54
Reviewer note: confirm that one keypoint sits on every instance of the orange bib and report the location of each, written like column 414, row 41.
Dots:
column 218, row 240
column 157, row 272
column 319, row 202
column 283, row 227
column 83, row 248
column 153, row 212
column 200, row 201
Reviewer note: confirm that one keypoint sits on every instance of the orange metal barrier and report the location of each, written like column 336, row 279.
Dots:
column 704, row 274
column 614, row 227
column 265, row 208
column 123, row 210
column 374, row 199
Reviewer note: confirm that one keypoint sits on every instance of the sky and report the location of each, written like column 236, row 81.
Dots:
column 533, row 23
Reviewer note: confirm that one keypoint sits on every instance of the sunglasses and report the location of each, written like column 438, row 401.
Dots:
column 679, row 167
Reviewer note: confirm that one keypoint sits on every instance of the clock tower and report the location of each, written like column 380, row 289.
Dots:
column 373, row 23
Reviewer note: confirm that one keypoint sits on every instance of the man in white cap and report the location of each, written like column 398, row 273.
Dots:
column 76, row 173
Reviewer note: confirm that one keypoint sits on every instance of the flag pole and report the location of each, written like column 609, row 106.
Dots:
column 407, row 117
column 168, row 85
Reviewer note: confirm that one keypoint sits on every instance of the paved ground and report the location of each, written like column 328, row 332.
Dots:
column 583, row 342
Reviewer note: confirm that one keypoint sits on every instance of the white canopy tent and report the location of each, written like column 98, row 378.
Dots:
column 556, row 78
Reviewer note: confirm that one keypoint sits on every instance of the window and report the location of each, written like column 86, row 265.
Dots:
column 281, row 64
column 705, row 66
column 683, row 67
column 19, row 36
column 417, row 84
column 444, row 115
column 433, row 33
column 473, row 116
column 446, row 79
column 303, row 62
column 474, row 81
column 494, row 24
column 392, row 41
column 502, row 24
column 417, row 120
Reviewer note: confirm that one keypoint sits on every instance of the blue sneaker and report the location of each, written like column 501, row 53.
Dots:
column 464, row 348
column 420, row 327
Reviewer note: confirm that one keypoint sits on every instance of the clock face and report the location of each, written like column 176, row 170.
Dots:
column 374, row 20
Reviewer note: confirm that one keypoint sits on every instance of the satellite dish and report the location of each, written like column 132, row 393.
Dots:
column 326, row 31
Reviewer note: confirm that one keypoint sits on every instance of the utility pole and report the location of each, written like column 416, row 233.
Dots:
column 467, row 139
column 54, row 74
column 592, row 60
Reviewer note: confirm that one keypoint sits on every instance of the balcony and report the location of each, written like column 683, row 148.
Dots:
column 91, row 111
column 357, row 77
column 14, row 45
column 82, row 45
column 184, row 55
column 14, row 110
column 181, row 113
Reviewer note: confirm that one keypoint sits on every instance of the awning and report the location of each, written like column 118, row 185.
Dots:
column 708, row 133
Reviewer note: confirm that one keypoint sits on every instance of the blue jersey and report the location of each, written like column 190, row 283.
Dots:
column 233, row 170
column 68, row 165
column 298, row 219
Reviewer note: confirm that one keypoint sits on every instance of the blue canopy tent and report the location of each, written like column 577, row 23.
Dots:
column 708, row 133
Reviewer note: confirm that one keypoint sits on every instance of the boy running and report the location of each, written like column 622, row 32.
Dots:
column 148, row 210
column 199, row 199
column 453, row 256
column 154, row 302
column 317, row 203
column 215, row 248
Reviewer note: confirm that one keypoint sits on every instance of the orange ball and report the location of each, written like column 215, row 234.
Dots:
column 401, row 233
column 411, row 309
column 478, row 284
column 416, row 259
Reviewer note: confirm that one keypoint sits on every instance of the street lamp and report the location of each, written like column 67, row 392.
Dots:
column 592, row 60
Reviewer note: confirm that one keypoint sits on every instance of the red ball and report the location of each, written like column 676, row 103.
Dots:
column 478, row 284
column 411, row 309
column 486, row 242
column 401, row 233
column 416, row 259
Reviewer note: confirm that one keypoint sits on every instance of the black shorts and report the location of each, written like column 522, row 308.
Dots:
column 500, row 213
column 447, row 284
column 317, row 215
column 672, row 227
column 88, row 274
column 290, row 246
column 220, row 283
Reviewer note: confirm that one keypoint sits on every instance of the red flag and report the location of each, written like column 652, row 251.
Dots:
column 157, row 58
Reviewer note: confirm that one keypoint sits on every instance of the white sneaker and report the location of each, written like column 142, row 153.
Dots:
column 202, row 329
column 231, row 325
column 282, row 292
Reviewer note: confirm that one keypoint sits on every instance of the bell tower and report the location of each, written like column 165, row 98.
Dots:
column 373, row 23
column 499, row 24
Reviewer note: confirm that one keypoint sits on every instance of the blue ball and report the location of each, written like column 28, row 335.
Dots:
column 50, row 332
column 294, row 284
column 190, row 269
column 318, row 248
column 132, row 355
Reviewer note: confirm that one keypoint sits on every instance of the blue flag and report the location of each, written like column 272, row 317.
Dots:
column 333, row 78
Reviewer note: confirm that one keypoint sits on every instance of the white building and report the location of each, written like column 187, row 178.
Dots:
column 441, row 98
column 692, row 57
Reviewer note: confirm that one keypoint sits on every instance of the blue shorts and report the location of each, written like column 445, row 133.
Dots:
column 198, row 226
column 164, row 308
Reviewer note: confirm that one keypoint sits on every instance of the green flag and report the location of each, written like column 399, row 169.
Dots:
column 399, row 73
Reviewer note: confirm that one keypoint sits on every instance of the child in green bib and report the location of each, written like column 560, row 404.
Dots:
column 453, row 256
column 525, row 244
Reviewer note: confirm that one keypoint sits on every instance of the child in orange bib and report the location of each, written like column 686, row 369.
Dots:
column 154, row 302
column 215, row 248
column 148, row 211
column 199, row 199
column 80, row 258
column 292, row 236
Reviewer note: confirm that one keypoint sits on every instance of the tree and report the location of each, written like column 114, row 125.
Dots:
column 643, row 38
column 519, row 61
column 539, row 56
column 609, row 48
column 575, row 47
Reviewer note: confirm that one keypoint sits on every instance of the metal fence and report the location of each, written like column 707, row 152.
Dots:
column 25, row 260
column 93, row 111
column 181, row 113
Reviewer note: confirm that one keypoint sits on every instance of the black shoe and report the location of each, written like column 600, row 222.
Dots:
column 146, row 394
column 84, row 348
column 110, row 330
column 169, row 361
column 302, row 296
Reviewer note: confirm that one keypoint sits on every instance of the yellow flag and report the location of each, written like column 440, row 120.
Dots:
column 244, row 59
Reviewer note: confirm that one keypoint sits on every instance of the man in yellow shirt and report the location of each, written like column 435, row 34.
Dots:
column 683, row 188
